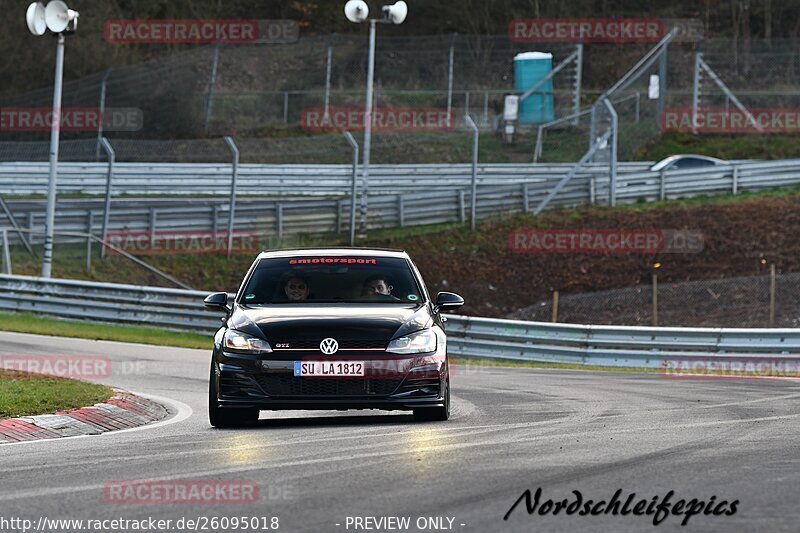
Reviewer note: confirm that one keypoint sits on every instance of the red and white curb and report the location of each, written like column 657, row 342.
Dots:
column 121, row 411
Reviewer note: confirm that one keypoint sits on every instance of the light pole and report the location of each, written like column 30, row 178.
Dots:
column 59, row 19
column 357, row 11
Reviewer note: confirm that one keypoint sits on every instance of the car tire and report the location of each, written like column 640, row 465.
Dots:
column 220, row 417
column 436, row 414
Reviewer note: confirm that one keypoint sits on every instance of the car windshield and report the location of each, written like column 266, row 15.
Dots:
column 332, row 279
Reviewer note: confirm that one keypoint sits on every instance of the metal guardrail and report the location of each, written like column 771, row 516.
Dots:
column 297, row 215
column 260, row 179
column 614, row 346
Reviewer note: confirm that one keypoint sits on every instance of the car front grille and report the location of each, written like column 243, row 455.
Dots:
column 288, row 385
column 343, row 345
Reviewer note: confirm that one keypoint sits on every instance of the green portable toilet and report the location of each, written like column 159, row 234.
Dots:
column 529, row 69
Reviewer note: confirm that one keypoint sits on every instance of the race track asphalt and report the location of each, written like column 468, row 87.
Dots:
column 512, row 429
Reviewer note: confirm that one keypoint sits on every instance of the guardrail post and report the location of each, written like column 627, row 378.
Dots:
column 89, row 224
column 232, row 204
column 401, row 211
column 215, row 222
column 286, row 107
column 31, row 223
column 735, row 181
column 525, row 198
column 475, row 141
column 106, row 145
column 279, row 219
column 339, row 209
column 592, row 190
column 462, row 217
column 772, row 295
column 6, row 252
column 153, row 223
column 662, row 190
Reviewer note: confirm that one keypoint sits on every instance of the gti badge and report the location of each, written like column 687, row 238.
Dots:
column 329, row 346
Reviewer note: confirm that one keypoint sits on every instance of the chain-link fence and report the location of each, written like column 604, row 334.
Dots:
column 756, row 301
column 281, row 93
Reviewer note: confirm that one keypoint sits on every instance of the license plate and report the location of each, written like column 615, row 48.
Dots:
column 328, row 368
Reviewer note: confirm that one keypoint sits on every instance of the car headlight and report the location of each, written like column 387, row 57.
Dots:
column 419, row 342
column 238, row 342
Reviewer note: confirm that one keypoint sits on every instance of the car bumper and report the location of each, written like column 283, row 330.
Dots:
column 389, row 383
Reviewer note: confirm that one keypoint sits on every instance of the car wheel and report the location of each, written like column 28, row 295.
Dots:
column 227, row 418
column 436, row 413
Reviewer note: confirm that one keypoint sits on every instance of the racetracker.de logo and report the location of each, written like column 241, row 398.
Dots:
column 742, row 366
column 600, row 241
column 193, row 492
column 63, row 366
column 182, row 242
column 586, row 30
column 389, row 119
column 721, row 120
column 71, row 119
column 201, row 31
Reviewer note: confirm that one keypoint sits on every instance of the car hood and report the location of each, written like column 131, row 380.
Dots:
column 291, row 323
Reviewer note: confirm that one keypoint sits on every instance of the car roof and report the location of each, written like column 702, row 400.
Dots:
column 378, row 252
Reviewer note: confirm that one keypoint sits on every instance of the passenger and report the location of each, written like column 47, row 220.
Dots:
column 377, row 286
column 296, row 289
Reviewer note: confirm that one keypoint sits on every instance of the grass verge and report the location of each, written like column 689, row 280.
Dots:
column 26, row 394
column 30, row 323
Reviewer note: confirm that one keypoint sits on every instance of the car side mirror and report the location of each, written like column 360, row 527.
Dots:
column 217, row 302
column 448, row 301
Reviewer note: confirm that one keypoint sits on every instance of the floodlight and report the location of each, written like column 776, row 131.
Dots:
column 356, row 10
column 35, row 18
column 396, row 13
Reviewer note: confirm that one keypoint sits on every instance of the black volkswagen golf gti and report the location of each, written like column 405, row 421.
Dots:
column 330, row 329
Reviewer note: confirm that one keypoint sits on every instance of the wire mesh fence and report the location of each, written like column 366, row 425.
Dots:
column 278, row 91
column 753, row 301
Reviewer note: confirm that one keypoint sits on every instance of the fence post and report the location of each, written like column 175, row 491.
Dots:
column 655, row 299
column 462, row 217
column 555, row 307
column 735, row 180
column 353, row 184
column 475, row 139
column 89, row 224
column 232, row 204
column 578, row 81
column 103, row 85
column 662, row 191
column 339, row 209
column 772, row 295
column 485, row 117
column 109, row 177
column 450, row 77
column 612, row 161
column 211, row 85
column 6, row 253
column 326, row 115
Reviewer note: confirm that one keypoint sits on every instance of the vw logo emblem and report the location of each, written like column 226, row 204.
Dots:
column 329, row 346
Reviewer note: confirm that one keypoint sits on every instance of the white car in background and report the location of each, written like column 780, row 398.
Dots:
column 687, row 161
